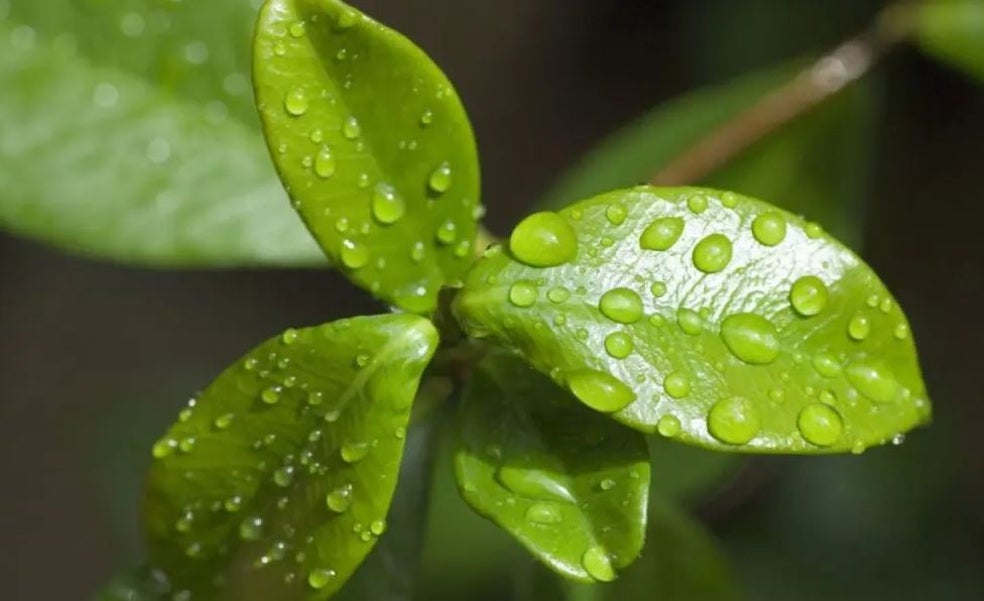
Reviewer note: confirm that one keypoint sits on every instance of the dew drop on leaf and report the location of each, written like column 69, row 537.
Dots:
column 388, row 206
column 598, row 564
column 751, row 338
column 662, row 234
column 354, row 254
column 523, row 294
column 251, row 528
column 339, row 499
column 440, row 179
column 559, row 295
column 677, row 385
column 447, row 232
column 616, row 213
column 544, row 240
column 733, row 421
column 320, row 578
column 534, row 483
column 544, row 513
column 690, row 321
column 769, row 229
column 619, row 345
column 354, row 452
column 324, row 163
column 600, row 391
column 669, row 426
column 820, row 424
column 296, row 102
column 874, row 381
column 713, row 253
column 808, row 296
column 621, row 305
column 351, row 128
column 859, row 327
column 697, row 203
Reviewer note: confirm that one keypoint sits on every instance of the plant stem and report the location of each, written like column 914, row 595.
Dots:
column 810, row 88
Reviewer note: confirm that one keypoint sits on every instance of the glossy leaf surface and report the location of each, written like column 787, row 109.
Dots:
column 568, row 484
column 373, row 146
column 276, row 481
column 813, row 166
column 712, row 318
column 130, row 133
column 681, row 561
column 953, row 31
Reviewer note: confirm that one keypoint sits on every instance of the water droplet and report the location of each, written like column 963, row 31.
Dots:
column 808, row 296
column 347, row 19
column 251, row 528
column 351, row 128
column 607, row 484
column 447, row 232
column 677, row 385
column 532, row 483
column 662, row 234
column 296, row 102
column 874, row 381
column 859, row 327
column 132, row 25
column 733, row 421
column 417, row 252
column 813, row 230
column 440, row 179
column 619, row 345
column 339, row 499
column 377, row 527
column 284, row 476
column 697, row 203
column 826, row 365
column 186, row 445
column 600, row 391
column 388, row 206
column 427, row 118
column 320, row 578
column 690, row 322
column 289, row 336
column 901, row 331
column 751, row 338
column 224, row 421
column 820, row 424
column 621, row 305
column 559, row 295
column 353, row 452
column 184, row 522
column 598, row 564
column 729, row 200
column 544, row 513
column 354, row 254
column 324, row 163
column 658, row 289
column 544, row 240
column 616, row 213
column 669, row 426
column 194, row 550
column 271, row 395
column 713, row 253
column 885, row 306
column 769, row 228
column 523, row 294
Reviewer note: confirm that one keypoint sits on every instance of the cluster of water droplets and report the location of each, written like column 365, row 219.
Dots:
column 548, row 240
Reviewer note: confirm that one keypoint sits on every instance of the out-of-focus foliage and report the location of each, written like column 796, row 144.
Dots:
column 953, row 31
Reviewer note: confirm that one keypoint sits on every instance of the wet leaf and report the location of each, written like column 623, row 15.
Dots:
column 373, row 145
column 568, row 484
column 953, row 32
column 131, row 135
column 711, row 318
column 276, row 481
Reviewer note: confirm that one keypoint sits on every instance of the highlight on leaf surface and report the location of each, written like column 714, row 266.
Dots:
column 276, row 481
column 570, row 485
column 711, row 318
column 373, row 146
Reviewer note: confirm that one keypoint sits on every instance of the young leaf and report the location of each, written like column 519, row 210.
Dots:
column 813, row 166
column 681, row 561
column 568, row 484
column 713, row 318
column 953, row 32
column 132, row 135
column 373, row 145
column 276, row 480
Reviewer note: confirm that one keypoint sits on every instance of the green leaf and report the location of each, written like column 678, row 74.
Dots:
column 682, row 561
column 953, row 32
column 568, row 484
column 813, row 166
column 140, row 584
column 373, row 145
column 133, row 135
column 715, row 319
column 276, row 480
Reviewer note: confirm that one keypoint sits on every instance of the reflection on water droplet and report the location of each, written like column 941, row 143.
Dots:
column 296, row 102
column 523, row 294
column 697, row 203
column 662, row 234
column 677, row 385
column 388, row 206
column 820, row 424
column 669, row 426
column 619, row 345
column 354, row 255
column 440, row 179
column 339, row 499
column 733, row 421
column 621, row 305
column 859, row 327
column 713, row 253
column 600, row 391
column 616, row 213
column 251, row 528
column 544, row 239
column 769, row 229
column 351, row 128
column 808, row 296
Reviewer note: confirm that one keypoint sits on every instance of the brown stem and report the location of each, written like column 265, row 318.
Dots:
column 819, row 82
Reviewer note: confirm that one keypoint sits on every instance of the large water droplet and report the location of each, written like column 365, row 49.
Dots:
column 598, row 564
column 826, row 365
column 523, row 294
column 669, row 426
column 662, row 234
column 324, row 163
column 339, row 499
column 769, row 228
column 535, row 483
column 733, row 421
column 677, row 385
column 296, row 102
column 697, row 203
column 600, row 391
column 690, row 322
column 751, row 338
column 544, row 240
column 355, row 255
column 388, row 206
column 820, row 424
column 320, row 578
column 619, row 345
column 440, row 179
column 808, row 296
column 874, row 381
column 713, row 253
column 859, row 327
column 353, row 452
column 621, row 305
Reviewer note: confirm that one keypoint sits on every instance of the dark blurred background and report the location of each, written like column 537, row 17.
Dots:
column 96, row 358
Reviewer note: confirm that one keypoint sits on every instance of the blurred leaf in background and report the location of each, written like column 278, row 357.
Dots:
column 136, row 138
column 953, row 32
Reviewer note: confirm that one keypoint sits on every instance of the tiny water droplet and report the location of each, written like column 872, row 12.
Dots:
column 677, row 385
column 271, row 395
column 690, row 321
column 523, row 294
column 544, row 513
column 447, row 232
column 251, row 528
column 874, row 380
column 616, row 213
column 697, row 203
column 320, row 578
column 351, row 128
column 324, row 163
column 598, row 564
column 284, row 476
